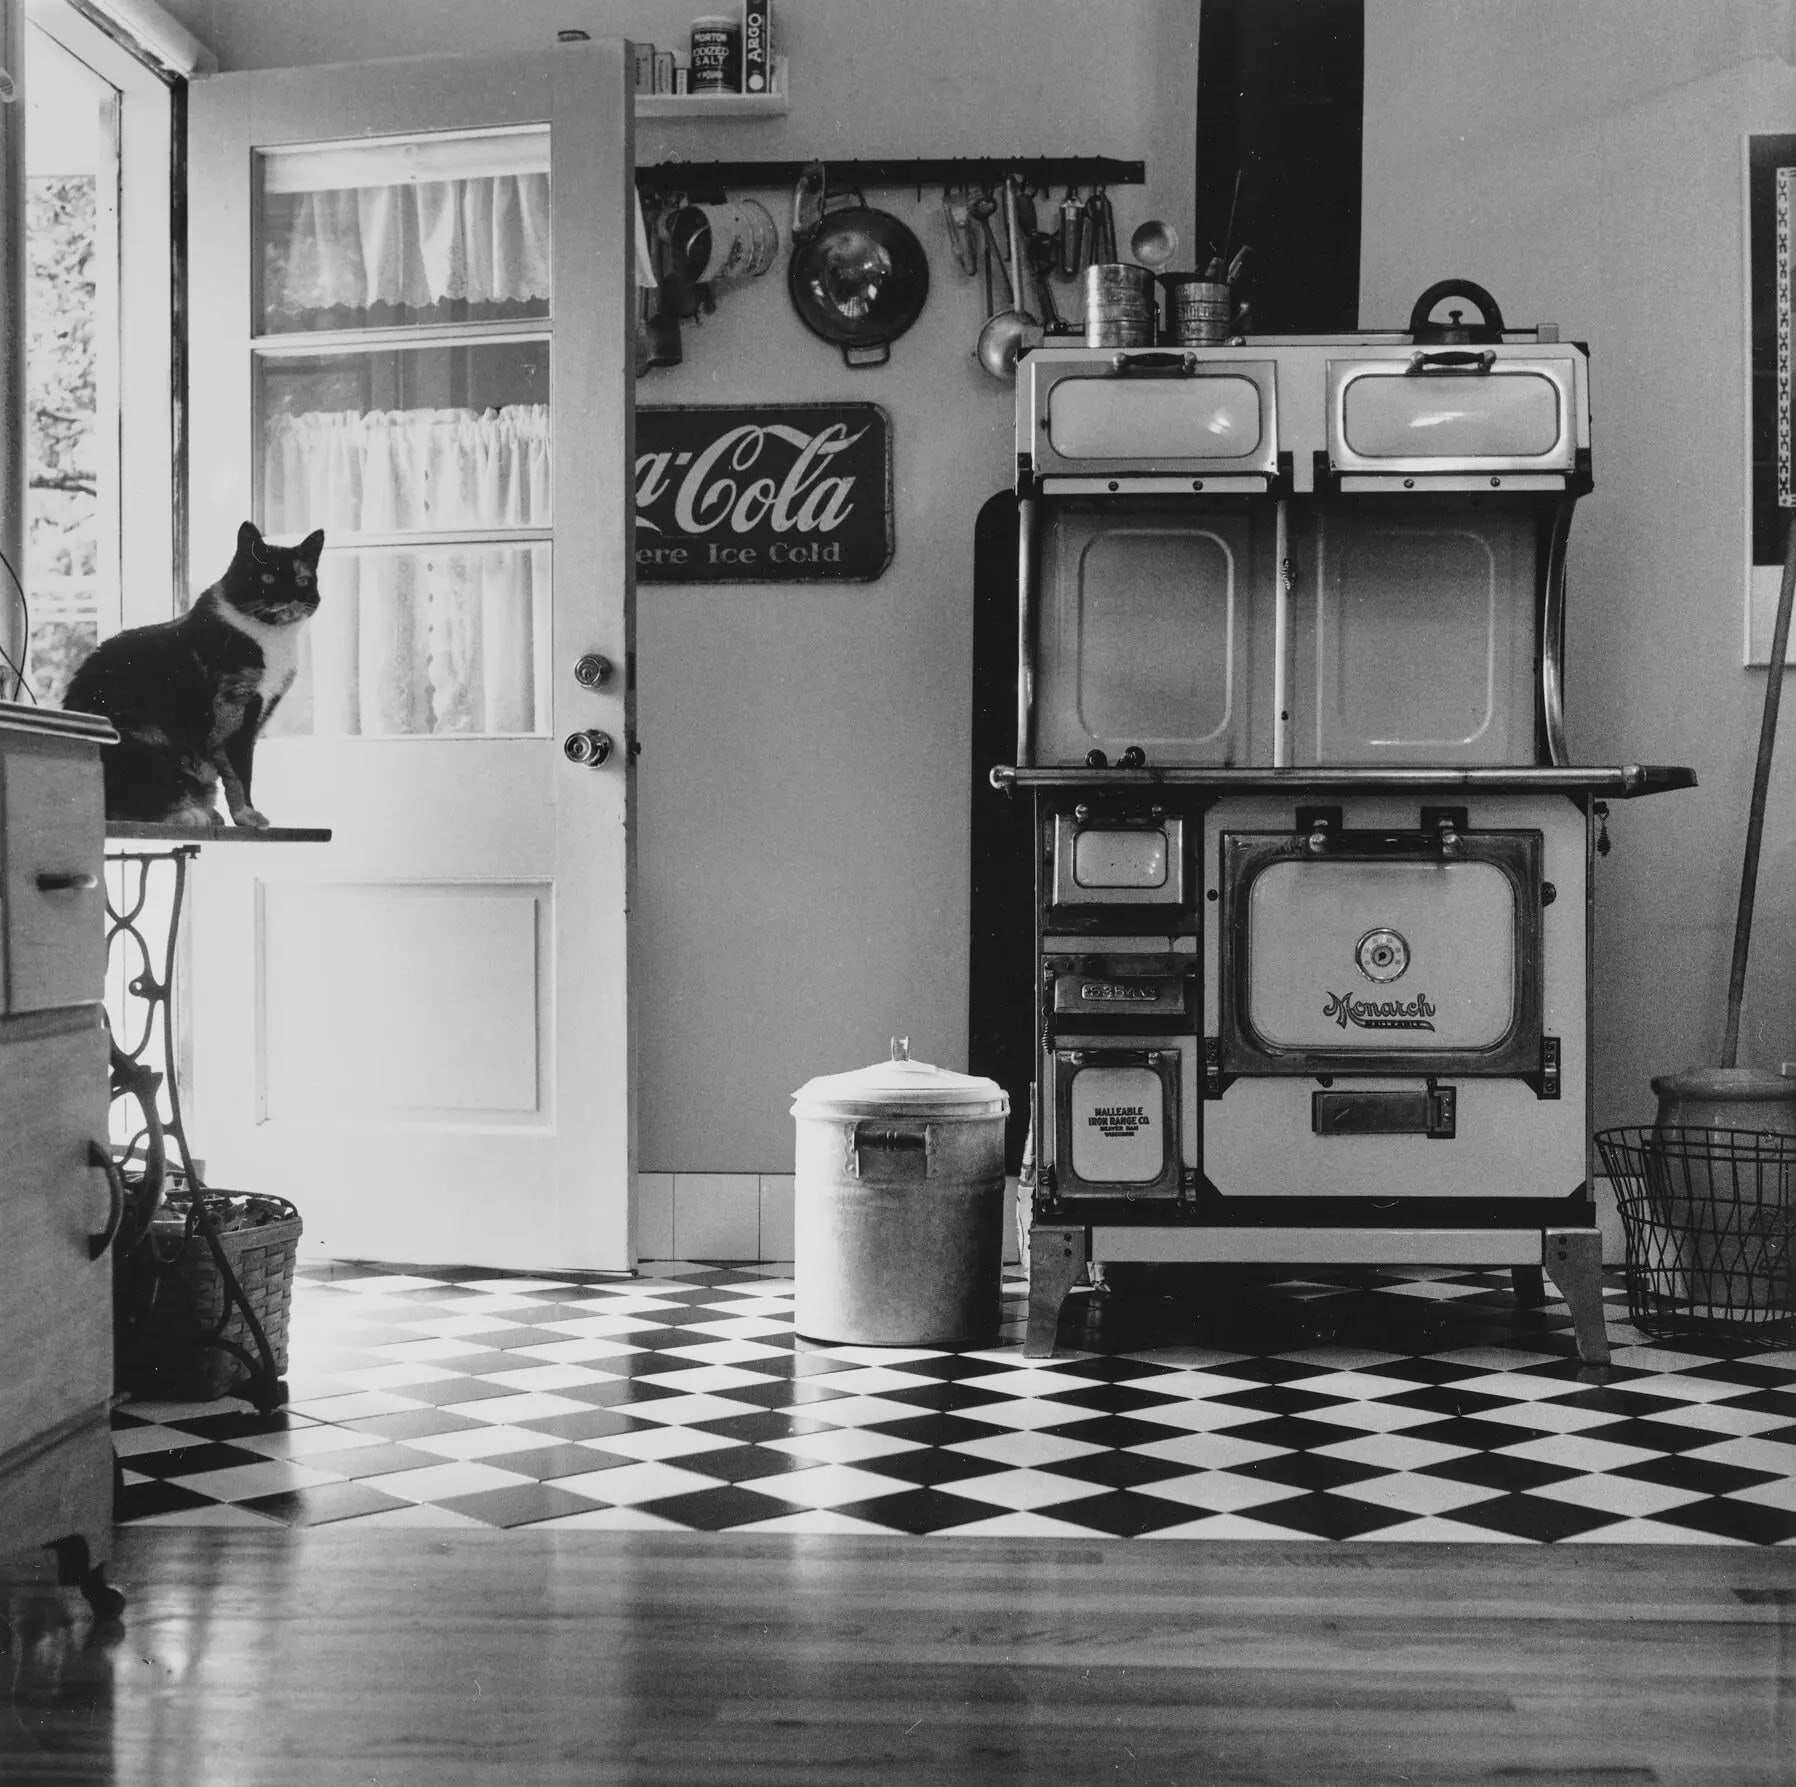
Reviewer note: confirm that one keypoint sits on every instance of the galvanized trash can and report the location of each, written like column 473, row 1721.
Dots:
column 899, row 1219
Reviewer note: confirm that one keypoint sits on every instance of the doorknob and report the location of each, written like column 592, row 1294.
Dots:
column 592, row 671
column 589, row 747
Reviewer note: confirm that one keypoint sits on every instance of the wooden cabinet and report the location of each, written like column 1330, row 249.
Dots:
column 58, row 1202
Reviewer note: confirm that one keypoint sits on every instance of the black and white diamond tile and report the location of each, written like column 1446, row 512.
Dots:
column 1352, row 1407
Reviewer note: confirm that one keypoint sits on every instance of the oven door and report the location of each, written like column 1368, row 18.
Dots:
column 1145, row 413
column 1380, row 952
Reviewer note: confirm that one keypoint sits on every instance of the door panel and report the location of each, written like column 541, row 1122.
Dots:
column 415, row 283
column 356, row 1018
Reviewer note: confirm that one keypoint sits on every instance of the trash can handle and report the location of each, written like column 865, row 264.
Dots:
column 902, row 1145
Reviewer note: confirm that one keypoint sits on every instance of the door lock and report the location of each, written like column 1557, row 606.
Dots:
column 589, row 747
column 592, row 671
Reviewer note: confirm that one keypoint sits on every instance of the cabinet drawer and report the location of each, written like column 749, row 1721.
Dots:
column 52, row 836
column 55, row 1302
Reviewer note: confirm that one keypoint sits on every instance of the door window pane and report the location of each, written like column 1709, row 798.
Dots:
column 441, row 229
column 410, row 440
column 425, row 641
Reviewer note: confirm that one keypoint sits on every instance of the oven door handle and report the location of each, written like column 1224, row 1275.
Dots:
column 1154, row 365
column 1421, row 365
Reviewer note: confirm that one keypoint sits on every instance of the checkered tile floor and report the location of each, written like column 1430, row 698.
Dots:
column 1351, row 1406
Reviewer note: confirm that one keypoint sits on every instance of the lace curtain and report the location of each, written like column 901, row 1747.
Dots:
column 479, row 240
column 425, row 639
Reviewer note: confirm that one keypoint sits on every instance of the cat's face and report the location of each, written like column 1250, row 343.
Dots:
column 276, row 585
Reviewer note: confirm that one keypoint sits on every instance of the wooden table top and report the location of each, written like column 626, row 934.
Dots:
column 144, row 830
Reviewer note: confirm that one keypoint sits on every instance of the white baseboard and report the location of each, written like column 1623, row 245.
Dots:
column 736, row 1218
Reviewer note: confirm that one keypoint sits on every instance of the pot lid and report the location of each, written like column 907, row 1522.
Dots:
column 900, row 1087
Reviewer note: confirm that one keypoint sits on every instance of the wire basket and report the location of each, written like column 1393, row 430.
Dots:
column 1710, row 1218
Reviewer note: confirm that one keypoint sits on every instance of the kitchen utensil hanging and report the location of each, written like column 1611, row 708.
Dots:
column 858, row 279
column 1012, row 332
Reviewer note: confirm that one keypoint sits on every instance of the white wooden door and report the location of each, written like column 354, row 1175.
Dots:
column 413, row 316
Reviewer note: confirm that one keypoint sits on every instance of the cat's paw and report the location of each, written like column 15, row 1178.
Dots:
column 192, row 813
column 249, row 818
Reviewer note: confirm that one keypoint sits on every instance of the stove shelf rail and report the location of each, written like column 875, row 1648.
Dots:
column 1622, row 781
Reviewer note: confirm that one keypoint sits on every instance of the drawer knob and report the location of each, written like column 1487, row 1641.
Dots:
column 99, row 1155
column 72, row 883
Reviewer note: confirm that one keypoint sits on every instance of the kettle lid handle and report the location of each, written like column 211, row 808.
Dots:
column 1489, row 327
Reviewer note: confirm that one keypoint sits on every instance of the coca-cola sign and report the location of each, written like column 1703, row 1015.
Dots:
column 763, row 493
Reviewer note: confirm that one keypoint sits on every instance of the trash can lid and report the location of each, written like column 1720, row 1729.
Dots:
column 900, row 1087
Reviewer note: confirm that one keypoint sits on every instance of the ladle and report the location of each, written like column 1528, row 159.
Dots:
column 1154, row 243
column 1012, row 332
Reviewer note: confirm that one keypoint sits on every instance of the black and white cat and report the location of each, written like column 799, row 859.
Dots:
column 188, row 697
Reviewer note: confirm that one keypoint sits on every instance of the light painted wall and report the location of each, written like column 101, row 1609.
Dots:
column 1584, row 162
column 804, row 779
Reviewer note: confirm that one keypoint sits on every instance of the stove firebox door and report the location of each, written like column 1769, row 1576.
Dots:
column 1119, row 860
column 1381, row 952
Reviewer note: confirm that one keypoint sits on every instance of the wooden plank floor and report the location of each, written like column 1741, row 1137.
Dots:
column 383, row 1659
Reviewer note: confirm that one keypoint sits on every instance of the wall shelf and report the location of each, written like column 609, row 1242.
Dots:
column 695, row 107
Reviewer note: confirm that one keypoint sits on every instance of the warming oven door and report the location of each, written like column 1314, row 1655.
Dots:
column 1483, row 417
column 1088, row 418
column 1153, row 628
column 1395, row 997
column 1425, row 631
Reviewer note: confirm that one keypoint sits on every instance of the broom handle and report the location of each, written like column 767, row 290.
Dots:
column 1755, row 823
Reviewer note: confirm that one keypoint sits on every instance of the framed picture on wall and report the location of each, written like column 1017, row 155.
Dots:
column 1771, row 375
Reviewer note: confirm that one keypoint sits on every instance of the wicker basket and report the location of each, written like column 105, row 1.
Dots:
column 169, row 1298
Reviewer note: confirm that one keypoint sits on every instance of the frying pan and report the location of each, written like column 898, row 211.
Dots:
column 858, row 280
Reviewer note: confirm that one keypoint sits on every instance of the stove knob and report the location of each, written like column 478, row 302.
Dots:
column 1133, row 758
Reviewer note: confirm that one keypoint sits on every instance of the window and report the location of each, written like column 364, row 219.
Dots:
column 99, row 373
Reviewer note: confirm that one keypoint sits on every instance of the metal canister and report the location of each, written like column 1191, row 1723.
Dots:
column 708, row 243
column 1120, row 306
column 716, row 55
column 1197, row 309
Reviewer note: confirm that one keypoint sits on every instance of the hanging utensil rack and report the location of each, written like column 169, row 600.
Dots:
column 700, row 179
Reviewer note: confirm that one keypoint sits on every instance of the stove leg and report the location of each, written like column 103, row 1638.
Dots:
column 1056, row 1258
column 1573, row 1259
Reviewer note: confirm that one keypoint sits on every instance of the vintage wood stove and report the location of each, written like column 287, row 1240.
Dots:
column 1314, row 868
